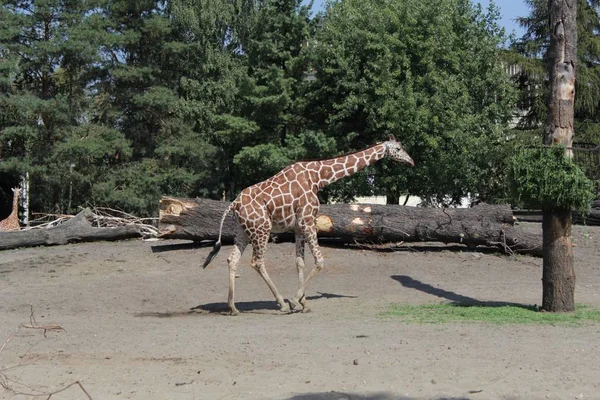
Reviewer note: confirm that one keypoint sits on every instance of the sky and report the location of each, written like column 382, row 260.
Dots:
column 509, row 10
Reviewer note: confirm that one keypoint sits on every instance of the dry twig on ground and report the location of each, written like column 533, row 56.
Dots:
column 5, row 381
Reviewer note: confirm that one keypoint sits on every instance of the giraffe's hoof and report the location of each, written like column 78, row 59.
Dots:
column 294, row 304
column 234, row 312
column 284, row 308
column 299, row 304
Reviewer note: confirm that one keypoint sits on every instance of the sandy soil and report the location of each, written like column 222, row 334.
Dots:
column 142, row 320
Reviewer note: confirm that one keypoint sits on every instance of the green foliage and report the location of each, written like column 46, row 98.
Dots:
column 136, row 186
column 587, row 131
column 382, row 68
column 545, row 178
column 52, row 52
column 529, row 52
column 497, row 315
column 118, row 102
column 310, row 145
column 261, row 160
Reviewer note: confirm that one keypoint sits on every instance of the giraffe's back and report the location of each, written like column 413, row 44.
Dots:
column 11, row 223
column 279, row 200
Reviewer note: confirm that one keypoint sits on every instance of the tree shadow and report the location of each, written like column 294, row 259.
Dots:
column 357, row 396
column 455, row 298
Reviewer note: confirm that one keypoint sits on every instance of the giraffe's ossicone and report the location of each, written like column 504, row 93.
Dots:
column 288, row 202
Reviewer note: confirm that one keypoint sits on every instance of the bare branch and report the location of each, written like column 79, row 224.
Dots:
column 102, row 217
column 5, row 380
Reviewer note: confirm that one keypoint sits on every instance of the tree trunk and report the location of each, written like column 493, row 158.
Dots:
column 559, row 274
column 558, row 277
column 483, row 225
column 25, row 197
column 391, row 198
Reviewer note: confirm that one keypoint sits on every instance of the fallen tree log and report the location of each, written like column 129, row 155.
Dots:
column 77, row 229
column 482, row 225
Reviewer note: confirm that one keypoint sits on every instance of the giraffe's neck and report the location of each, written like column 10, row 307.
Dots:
column 334, row 169
column 15, row 209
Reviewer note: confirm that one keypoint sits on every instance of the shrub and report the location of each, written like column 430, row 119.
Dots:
column 543, row 177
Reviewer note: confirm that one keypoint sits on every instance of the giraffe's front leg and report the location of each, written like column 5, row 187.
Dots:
column 258, row 263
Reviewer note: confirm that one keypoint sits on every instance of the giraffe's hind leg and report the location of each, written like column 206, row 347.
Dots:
column 241, row 241
column 313, row 244
column 259, row 245
column 299, row 303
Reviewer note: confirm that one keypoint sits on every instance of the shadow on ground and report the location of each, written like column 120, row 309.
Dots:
column 357, row 396
column 454, row 298
column 343, row 244
column 257, row 307
column 180, row 246
column 429, row 247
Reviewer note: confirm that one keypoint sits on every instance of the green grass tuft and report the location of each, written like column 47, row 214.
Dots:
column 500, row 315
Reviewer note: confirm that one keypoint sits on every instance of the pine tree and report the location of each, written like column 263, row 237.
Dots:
column 277, row 65
column 51, row 45
column 529, row 53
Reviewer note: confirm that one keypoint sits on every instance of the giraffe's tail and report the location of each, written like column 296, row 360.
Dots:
column 217, row 245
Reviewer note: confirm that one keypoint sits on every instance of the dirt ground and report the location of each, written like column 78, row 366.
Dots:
column 143, row 320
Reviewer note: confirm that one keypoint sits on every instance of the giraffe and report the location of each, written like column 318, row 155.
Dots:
column 288, row 202
column 11, row 223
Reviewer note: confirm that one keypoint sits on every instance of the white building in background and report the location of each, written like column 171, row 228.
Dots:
column 413, row 201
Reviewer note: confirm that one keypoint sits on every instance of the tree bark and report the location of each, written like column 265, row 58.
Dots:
column 558, row 277
column 483, row 225
column 559, row 274
column 77, row 229
column 391, row 198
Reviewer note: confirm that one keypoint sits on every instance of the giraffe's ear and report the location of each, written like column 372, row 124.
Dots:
column 392, row 137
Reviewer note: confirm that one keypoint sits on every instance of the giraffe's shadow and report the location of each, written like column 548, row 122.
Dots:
column 254, row 307
column 260, row 307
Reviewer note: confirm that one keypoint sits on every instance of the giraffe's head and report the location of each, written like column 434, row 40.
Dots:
column 395, row 151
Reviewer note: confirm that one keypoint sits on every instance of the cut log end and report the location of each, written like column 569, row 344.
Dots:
column 324, row 224
column 174, row 206
column 166, row 230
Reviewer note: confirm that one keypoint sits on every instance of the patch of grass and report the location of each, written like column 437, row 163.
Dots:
column 500, row 315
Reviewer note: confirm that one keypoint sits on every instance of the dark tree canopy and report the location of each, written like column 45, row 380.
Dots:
column 114, row 103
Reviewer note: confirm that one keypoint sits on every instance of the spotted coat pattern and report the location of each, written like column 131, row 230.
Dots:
column 288, row 202
column 11, row 223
